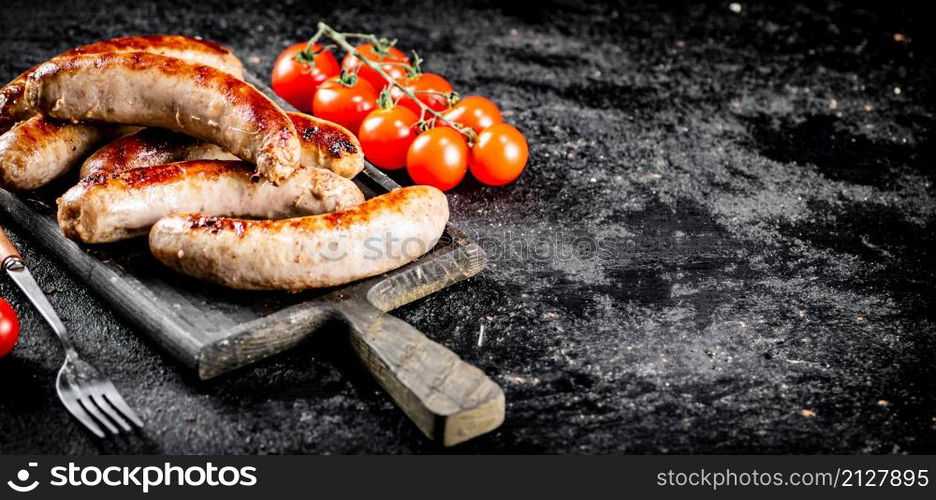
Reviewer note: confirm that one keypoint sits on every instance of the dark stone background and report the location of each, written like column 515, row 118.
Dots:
column 757, row 187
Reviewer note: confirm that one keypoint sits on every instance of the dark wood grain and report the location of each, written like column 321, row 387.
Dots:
column 447, row 398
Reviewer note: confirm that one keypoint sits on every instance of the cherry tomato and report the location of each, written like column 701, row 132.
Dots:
column 9, row 328
column 475, row 112
column 386, row 135
column 427, row 87
column 296, row 82
column 393, row 56
column 499, row 155
column 346, row 105
column 438, row 157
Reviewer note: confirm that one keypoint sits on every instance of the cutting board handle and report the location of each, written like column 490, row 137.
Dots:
column 449, row 400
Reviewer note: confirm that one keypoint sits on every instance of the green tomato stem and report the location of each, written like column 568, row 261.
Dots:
column 342, row 40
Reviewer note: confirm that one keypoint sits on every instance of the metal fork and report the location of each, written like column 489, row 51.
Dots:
column 87, row 395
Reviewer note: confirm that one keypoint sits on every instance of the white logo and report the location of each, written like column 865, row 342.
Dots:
column 22, row 476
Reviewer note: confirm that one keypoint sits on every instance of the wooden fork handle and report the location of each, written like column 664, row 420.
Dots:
column 7, row 249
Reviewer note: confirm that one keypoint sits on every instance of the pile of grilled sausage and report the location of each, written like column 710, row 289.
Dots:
column 192, row 146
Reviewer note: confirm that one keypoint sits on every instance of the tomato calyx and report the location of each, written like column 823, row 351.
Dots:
column 307, row 57
column 385, row 101
column 382, row 46
column 348, row 78
column 470, row 135
column 386, row 135
column 414, row 68
column 299, row 70
column 453, row 98
column 424, row 125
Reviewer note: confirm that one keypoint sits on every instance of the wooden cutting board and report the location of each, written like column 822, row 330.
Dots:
column 214, row 330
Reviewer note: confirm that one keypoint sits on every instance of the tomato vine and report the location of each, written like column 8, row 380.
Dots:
column 382, row 46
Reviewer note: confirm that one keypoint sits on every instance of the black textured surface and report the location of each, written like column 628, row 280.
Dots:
column 750, row 195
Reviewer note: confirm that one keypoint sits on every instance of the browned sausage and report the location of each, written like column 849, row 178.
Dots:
column 38, row 150
column 109, row 207
column 147, row 148
column 137, row 88
column 324, row 144
column 381, row 234
column 14, row 109
column 328, row 145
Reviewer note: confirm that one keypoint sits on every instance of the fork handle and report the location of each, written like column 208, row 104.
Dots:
column 7, row 249
column 12, row 262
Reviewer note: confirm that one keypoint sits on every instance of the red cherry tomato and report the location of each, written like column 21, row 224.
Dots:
column 475, row 112
column 393, row 56
column 428, row 88
column 499, row 155
column 438, row 157
column 296, row 82
column 386, row 135
column 346, row 105
column 9, row 328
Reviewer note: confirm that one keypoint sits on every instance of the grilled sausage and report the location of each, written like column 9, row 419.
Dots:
column 13, row 107
column 109, row 207
column 147, row 148
column 137, row 88
column 381, row 234
column 42, row 149
column 38, row 150
column 324, row 144
column 328, row 145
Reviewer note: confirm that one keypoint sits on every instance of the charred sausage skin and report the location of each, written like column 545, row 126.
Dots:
column 13, row 107
column 104, row 208
column 38, row 150
column 137, row 88
column 35, row 150
column 381, row 234
column 147, row 148
column 324, row 144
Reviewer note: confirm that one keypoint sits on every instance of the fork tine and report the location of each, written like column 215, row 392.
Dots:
column 118, row 402
column 102, row 403
column 92, row 408
column 78, row 411
column 80, row 387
